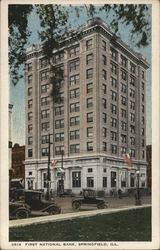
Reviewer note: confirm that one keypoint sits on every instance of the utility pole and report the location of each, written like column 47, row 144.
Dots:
column 48, row 170
column 62, row 174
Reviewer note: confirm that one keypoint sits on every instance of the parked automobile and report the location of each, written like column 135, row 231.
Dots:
column 34, row 199
column 18, row 210
column 89, row 198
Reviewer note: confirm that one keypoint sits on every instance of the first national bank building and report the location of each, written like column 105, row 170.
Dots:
column 101, row 115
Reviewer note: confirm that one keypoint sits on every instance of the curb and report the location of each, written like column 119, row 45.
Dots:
column 69, row 216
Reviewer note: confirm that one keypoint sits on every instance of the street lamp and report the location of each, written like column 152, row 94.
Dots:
column 48, row 170
column 138, row 198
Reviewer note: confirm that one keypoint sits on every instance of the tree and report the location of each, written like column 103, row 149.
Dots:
column 54, row 24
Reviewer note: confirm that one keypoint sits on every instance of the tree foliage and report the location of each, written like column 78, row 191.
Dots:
column 54, row 24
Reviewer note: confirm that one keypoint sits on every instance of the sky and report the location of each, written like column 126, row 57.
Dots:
column 17, row 93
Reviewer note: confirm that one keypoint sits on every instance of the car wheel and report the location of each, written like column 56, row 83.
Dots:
column 54, row 210
column 76, row 205
column 22, row 213
column 101, row 206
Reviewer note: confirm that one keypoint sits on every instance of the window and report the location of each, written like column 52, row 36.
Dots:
column 132, row 93
column 123, row 179
column 59, row 137
column 104, row 117
column 142, row 97
column 113, row 136
column 44, row 139
column 89, row 102
column 74, row 121
column 89, row 146
column 29, row 91
column 60, row 83
column 89, row 73
column 113, row 54
column 89, row 87
column 113, row 122
column 29, row 152
column 45, row 113
column 30, row 173
column 74, row 65
column 29, row 79
column 123, row 150
column 59, row 123
column 59, row 150
column 76, row 179
column 104, row 132
column 132, row 140
column 104, row 59
column 132, row 180
column 123, row 88
column 113, row 95
column 74, row 51
column 123, row 61
column 59, row 110
column 142, row 74
column 113, row 109
column 123, row 75
column 45, row 126
column 45, row 101
column 123, row 138
column 142, row 108
column 29, row 103
column 90, row 117
column 142, row 119
column 113, row 179
column 123, row 113
column 104, row 170
column 113, row 82
column 29, row 128
column 44, row 62
column 143, row 154
column 142, row 131
column 44, row 180
column 124, row 126
column 90, row 132
column 104, row 103
column 58, row 56
column 74, row 134
column 74, row 79
column 89, row 44
column 90, row 170
column 74, row 93
column 104, row 145
column 132, row 117
column 44, row 75
column 132, row 105
column 113, row 68
column 89, row 59
column 29, row 66
column 132, row 129
column 132, row 152
column 75, row 107
column 104, row 182
column 123, row 100
column 74, row 148
column 104, row 74
column 30, row 116
column 103, row 45
column 142, row 142
column 45, row 151
column 133, row 68
column 104, row 88
column 142, row 85
column 45, row 88
column 30, row 140
column 132, row 81
column 90, row 182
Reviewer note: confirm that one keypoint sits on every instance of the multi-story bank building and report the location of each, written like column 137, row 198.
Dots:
column 101, row 116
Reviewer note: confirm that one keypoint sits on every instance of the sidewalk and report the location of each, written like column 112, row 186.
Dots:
column 69, row 216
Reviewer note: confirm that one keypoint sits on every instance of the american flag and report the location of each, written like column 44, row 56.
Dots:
column 127, row 159
column 53, row 164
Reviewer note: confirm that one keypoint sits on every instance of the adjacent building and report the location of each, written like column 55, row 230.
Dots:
column 18, row 158
column 100, row 117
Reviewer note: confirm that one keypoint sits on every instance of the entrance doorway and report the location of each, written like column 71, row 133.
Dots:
column 60, row 186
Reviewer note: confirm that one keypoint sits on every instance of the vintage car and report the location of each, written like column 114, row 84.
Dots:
column 34, row 199
column 89, row 198
column 18, row 210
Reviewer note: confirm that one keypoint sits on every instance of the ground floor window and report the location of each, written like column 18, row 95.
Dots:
column 123, row 179
column 90, row 182
column 76, row 179
column 113, row 179
column 44, row 180
column 104, row 182
column 132, row 180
